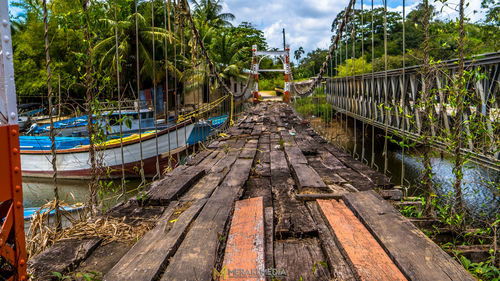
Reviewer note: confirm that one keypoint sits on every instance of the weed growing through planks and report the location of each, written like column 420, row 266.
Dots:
column 319, row 263
column 282, row 144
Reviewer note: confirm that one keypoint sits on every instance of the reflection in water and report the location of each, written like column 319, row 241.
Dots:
column 480, row 185
column 38, row 191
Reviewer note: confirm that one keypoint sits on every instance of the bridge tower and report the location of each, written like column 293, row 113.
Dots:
column 257, row 57
column 12, row 240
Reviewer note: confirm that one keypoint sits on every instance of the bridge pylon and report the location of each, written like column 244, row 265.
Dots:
column 257, row 57
column 12, row 239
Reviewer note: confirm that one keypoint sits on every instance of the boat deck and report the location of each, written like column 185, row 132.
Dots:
column 270, row 200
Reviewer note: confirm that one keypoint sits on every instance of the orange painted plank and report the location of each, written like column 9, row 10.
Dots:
column 244, row 256
column 370, row 261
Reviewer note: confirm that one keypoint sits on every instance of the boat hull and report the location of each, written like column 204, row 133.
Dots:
column 75, row 163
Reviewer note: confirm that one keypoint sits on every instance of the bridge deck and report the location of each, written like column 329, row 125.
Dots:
column 292, row 221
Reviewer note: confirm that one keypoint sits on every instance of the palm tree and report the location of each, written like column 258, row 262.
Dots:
column 104, row 54
column 229, row 56
column 210, row 11
column 298, row 53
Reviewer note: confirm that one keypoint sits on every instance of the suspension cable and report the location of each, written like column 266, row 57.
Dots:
column 333, row 47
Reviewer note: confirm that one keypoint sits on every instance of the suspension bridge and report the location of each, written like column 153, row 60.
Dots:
column 271, row 193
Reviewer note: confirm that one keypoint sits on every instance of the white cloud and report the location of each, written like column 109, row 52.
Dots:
column 308, row 22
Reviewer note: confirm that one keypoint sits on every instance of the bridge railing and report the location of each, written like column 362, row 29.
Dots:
column 392, row 100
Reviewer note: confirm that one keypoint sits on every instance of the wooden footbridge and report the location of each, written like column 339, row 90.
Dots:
column 271, row 199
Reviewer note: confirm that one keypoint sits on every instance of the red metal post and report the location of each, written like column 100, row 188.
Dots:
column 287, row 75
column 12, row 240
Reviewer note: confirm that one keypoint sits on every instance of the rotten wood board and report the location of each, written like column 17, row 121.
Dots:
column 147, row 258
column 245, row 242
column 307, row 178
column 298, row 258
column 291, row 216
column 171, row 188
column 366, row 256
column 269, row 237
column 339, row 267
column 259, row 187
column 61, row 257
column 418, row 257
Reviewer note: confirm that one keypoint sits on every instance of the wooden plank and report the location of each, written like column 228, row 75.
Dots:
column 232, row 154
column 204, row 188
column 249, row 149
column 146, row 259
column 61, row 257
column 199, row 157
column 294, row 154
column 279, row 166
column 196, row 256
column 307, row 177
column 416, row 255
column 355, row 179
column 172, row 187
column 378, row 179
column 339, row 267
column 269, row 236
column 363, row 252
column 259, row 187
column 245, row 242
column 313, row 197
column 292, row 217
column 298, row 258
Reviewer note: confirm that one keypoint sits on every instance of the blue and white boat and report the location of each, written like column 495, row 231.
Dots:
column 77, row 126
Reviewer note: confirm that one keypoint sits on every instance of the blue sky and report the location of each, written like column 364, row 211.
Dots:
column 308, row 22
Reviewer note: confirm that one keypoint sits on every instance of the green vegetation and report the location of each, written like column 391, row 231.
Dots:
column 177, row 59
column 482, row 37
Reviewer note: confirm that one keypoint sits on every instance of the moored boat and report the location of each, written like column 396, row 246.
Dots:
column 73, row 153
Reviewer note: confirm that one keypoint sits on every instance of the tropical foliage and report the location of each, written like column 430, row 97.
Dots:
column 153, row 37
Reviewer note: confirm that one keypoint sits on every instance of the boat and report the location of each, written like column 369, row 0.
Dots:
column 29, row 212
column 73, row 153
column 77, row 126
column 205, row 128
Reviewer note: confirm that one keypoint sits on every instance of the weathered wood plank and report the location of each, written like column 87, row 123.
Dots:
column 61, row 257
column 298, row 258
column 314, row 197
column 279, row 167
column 245, row 242
column 146, row 259
column 363, row 252
column 339, row 268
column 416, row 255
column 307, row 177
column 196, row 256
column 172, row 187
column 249, row 149
column 269, row 237
column 259, row 187
column 198, row 157
column 292, row 217
column 294, row 154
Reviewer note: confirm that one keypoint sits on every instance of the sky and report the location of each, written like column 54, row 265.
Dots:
column 308, row 22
